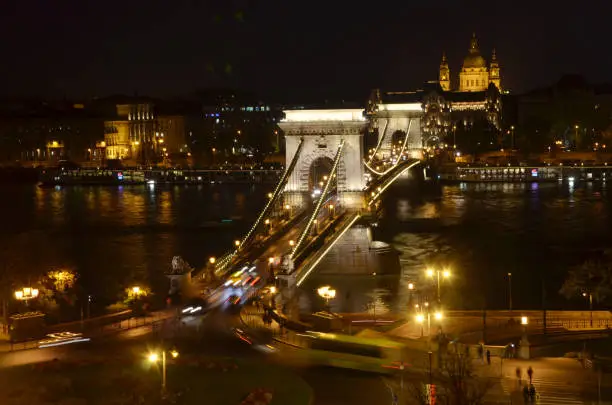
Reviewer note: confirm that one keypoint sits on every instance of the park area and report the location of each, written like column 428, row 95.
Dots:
column 190, row 381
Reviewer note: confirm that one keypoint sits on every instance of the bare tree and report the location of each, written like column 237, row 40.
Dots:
column 453, row 384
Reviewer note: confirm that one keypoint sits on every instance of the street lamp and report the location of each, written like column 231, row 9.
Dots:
column 327, row 293
column 154, row 358
column 510, row 291
column 331, row 210
column 421, row 319
column 445, row 274
column 26, row 294
column 291, row 243
column 212, row 260
column 237, row 243
column 584, row 294
column 524, row 350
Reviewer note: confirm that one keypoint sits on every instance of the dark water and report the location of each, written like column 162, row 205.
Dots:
column 115, row 237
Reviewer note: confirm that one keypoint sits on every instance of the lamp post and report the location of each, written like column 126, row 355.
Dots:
column 590, row 295
column 420, row 319
column 154, row 358
column 524, row 351
column 26, row 294
column 268, row 225
column 445, row 274
column 510, row 291
column 327, row 293
column 271, row 261
column 331, row 210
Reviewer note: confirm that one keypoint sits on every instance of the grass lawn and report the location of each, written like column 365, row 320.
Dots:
column 209, row 382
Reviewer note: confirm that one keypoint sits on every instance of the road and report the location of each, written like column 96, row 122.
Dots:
column 213, row 337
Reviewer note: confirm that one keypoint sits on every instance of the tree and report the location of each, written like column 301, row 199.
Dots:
column 593, row 277
column 455, row 384
column 18, row 266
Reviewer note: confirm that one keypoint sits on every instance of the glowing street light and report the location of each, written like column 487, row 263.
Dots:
column 26, row 294
column 327, row 293
column 445, row 274
column 420, row 319
column 237, row 243
column 291, row 243
column 524, row 320
column 212, row 260
column 154, row 358
column 410, row 286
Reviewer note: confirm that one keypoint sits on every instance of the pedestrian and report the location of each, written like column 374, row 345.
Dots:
column 480, row 351
column 488, row 357
column 518, row 376
column 530, row 374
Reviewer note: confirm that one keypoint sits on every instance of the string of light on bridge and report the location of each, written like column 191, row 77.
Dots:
column 321, row 199
column 387, row 183
column 367, row 165
column 273, row 198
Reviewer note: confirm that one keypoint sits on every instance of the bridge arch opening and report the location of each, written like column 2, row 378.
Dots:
column 398, row 137
column 320, row 168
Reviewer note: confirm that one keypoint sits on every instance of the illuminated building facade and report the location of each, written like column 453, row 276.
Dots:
column 475, row 75
column 140, row 135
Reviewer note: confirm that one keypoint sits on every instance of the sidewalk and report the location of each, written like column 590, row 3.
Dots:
column 104, row 330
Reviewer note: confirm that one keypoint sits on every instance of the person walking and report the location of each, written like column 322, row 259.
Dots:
column 488, row 357
column 530, row 374
column 518, row 376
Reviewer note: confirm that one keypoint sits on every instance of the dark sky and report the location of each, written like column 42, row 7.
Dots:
column 289, row 48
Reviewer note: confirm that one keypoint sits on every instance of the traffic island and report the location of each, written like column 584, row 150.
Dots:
column 218, row 381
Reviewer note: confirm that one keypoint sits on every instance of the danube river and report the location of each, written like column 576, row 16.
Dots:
column 114, row 237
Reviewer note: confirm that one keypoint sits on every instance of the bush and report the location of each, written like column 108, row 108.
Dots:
column 116, row 307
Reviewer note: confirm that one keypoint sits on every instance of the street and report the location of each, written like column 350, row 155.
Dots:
column 212, row 337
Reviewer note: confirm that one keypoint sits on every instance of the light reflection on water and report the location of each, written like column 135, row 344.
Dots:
column 482, row 232
column 114, row 236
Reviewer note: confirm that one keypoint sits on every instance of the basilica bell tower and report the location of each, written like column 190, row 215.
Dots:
column 444, row 77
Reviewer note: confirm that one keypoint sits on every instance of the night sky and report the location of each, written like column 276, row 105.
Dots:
column 289, row 49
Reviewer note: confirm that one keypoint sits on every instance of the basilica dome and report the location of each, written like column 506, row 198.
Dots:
column 474, row 60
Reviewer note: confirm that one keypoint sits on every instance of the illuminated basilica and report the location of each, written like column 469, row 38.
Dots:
column 475, row 75
column 476, row 97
